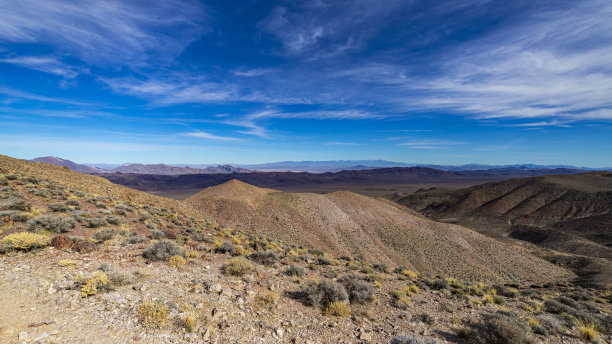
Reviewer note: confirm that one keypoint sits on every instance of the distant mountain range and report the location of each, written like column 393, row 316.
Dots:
column 339, row 165
column 157, row 169
column 289, row 166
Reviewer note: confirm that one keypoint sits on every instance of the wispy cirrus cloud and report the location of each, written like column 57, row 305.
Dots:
column 430, row 144
column 175, row 91
column 208, row 136
column 46, row 64
column 104, row 31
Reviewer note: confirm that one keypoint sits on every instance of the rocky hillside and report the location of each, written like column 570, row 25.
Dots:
column 86, row 261
column 346, row 223
column 566, row 213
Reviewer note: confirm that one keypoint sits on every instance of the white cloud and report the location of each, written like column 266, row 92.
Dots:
column 106, row 30
column 46, row 64
column 205, row 135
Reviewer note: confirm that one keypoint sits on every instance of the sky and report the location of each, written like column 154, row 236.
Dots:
column 431, row 82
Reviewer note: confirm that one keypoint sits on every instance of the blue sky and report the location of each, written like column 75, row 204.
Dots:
column 442, row 82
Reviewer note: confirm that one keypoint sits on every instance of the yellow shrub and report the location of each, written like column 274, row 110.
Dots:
column 488, row 299
column 238, row 266
column 191, row 323
column 409, row 273
column 153, row 313
column 25, row 241
column 268, row 297
column 338, row 309
column 67, row 262
column 176, row 261
column 91, row 285
column 413, row 288
column 587, row 331
column 533, row 321
column 193, row 254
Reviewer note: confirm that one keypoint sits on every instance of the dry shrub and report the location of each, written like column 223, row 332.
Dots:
column 497, row 329
column 338, row 309
column 238, row 266
column 162, row 251
column 176, row 261
column 152, row 314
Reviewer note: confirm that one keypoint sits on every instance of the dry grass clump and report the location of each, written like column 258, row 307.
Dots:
column 152, row 314
column 268, row 297
column 59, row 208
column 176, row 261
column 23, row 241
column 338, row 309
column 162, row 251
column 67, row 262
column 238, row 266
column 586, row 331
column 51, row 223
column 192, row 254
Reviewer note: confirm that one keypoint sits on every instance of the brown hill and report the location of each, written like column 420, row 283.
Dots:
column 566, row 213
column 377, row 230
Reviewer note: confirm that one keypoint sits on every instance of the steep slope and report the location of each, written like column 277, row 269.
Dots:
column 377, row 230
column 67, row 163
column 566, row 213
column 528, row 201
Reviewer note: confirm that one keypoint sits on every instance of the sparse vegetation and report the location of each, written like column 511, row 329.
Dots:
column 104, row 235
column 295, row 270
column 358, row 291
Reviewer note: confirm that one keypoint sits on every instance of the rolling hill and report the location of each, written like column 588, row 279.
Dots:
column 345, row 223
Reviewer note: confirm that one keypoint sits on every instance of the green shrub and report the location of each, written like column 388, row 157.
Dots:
column 59, row 207
column 115, row 220
column 162, row 251
column 497, row 329
column 133, row 238
column 358, row 291
column 96, row 222
column 295, row 270
column 15, row 204
column 104, row 234
column 51, row 223
column 226, row 247
column 324, row 293
column 414, row 339
column 264, row 258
